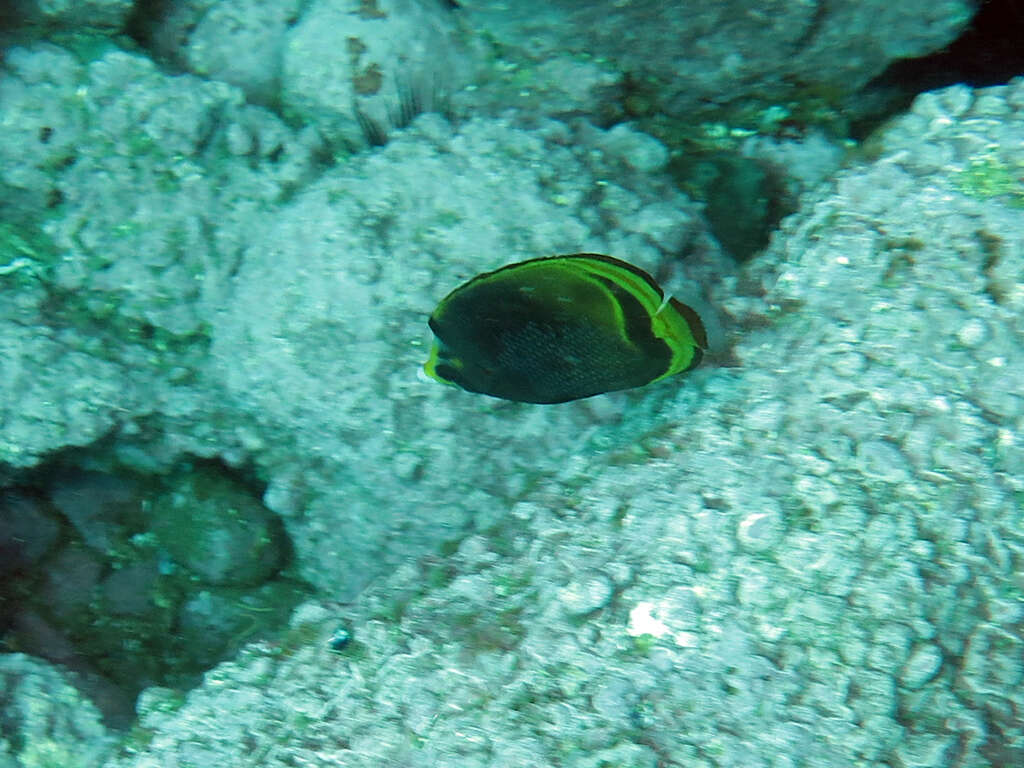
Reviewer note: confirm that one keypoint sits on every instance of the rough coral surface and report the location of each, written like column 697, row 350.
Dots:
column 46, row 722
column 813, row 559
column 103, row 14
column 345, row 275
column 153, row 179
column 698, row 54
column 338, row 62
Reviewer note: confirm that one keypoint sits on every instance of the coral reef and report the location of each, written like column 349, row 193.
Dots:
column 814, row 555
column 808, row 552
column 180, row 570
column 684, row 58
column 46, row 722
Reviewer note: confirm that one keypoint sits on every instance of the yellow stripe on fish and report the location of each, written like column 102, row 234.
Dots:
column 561, row 328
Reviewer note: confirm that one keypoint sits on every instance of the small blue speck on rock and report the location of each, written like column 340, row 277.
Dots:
column 339, row 640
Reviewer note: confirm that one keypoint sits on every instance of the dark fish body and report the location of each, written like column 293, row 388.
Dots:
column 561, row 328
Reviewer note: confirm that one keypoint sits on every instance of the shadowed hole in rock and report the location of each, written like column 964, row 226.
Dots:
column 131, row 580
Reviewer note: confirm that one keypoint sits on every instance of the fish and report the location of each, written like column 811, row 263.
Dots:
column 560, row 328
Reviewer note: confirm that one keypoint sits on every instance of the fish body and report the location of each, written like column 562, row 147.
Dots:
column 561, row 328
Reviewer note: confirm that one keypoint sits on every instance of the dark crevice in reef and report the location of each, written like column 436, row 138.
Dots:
column 989, row 52
column 147, row 26
column 127, row 579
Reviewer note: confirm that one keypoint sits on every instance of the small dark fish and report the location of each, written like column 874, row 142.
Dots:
column 561, row 328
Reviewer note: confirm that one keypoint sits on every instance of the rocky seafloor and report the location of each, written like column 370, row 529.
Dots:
column 216, row 273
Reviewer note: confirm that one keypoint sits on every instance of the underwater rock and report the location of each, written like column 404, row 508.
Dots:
column 924, row 662
column 214, row 622
column 46, row 721
column 586, row 594
column 91, row 14
column 214, row 526
column 242, row 42
column 69, row 579
column 130, row 590
column 359, row 68
column 27, row 532
column 639, row 151
column 686, row 56
column 104, row 508
column 114, row 154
